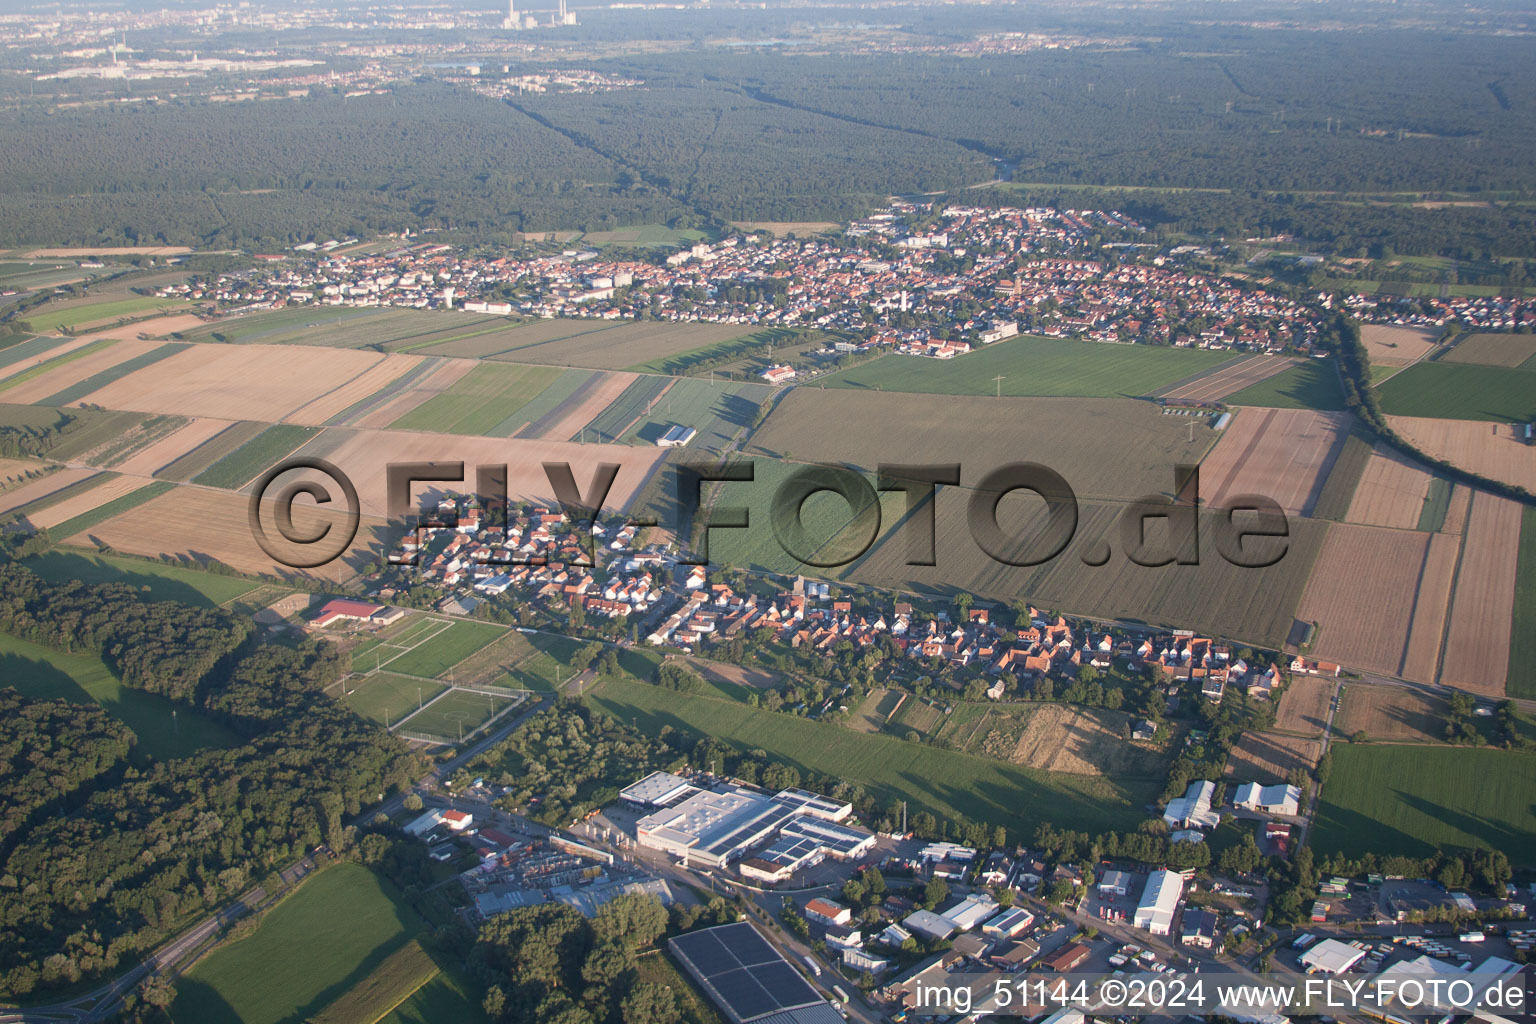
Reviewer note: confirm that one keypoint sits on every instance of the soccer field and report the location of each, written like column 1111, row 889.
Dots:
column 457, row 714
column 387, row 698
column 444, row 649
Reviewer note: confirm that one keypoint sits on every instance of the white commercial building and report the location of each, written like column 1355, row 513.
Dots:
column 1331, row 957
column 713, row 828
column 658, row 789
column 971, row 911
column 1159, row 901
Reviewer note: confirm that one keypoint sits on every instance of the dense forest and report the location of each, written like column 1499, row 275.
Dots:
column 128, row 854
column 1235, row 130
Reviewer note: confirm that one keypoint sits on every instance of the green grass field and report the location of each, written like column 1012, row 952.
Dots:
column 1410, row 799
column 942, row 781
column 1436, row 503
column 345, row 327
column 458, row 714
column 49, row 317
column 446, row 649
column 97, row 381
column 1522, row 643
column 328, row 936
column 385, row 697
column 382, row 647
column 256, row 456
column 1462, row 391
column 482, row 401
column 165, row 729
column 91, row 429
column 1313, row 384
column 647, row 235
column 155, row 581
column 1034, row 367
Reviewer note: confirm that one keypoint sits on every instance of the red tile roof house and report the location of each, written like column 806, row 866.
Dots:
column 341, row 609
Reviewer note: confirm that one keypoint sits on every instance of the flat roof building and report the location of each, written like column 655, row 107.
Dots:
column 971, row 911
column 748, row 979
column 1159, row 901
column 929, row 925
column 658, row 789
column 712, row 828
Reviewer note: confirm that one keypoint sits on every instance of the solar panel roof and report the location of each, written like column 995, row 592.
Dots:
column 742, row 972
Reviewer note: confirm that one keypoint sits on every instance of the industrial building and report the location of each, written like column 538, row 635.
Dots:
column 1193, row 809
column 1331, row 957
column 1159, row 901
column 971, row 911
column 1284, row 800
column 717, row 827
column 677, row 436
column 658, row 789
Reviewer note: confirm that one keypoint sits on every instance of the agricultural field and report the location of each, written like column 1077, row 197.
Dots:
column 1508, row 350
column 1477, row 640
column 718, row 411
column 1411, row 799
column 103, row 489
column 56, row 316
column 364, row 455
column 1392, row 714
column 89, row 349
column 786, row 228
column 1060, row 738
column 1311, row 384
column 484, row 401
column 1228, row 378
column 1270, row 757
column 1493, row 450
column 182, row 437
column 386, row 698
column 436, row 655
column 216, row 524
column 292, row 325
column 1035, row 367
column 945, row 782
column 238, row 382
column 1522, row 646
column 628, row 343
column 53, row 487
column 1457, row 508
column 140, row 433
column 217, row 447
column 1338, row 490
column 873, row 711
column 382, row 377
column 637, row 400
column 1461, row 391
column 1390, row 345
column 96, row 362
column 255, row 456
column 1105, row 448
column 96, row 381
column 1393, row 492
column 336, row 929
column 156, row 581
column 781, row 341
column 118, row 505
column 1303, row 706
column 566, row 417
column 21, row 353
column 512, row 335
column 1379, row 598
column 164, row 729
column 432, row 377
column 1284, row 454
column 15, row 472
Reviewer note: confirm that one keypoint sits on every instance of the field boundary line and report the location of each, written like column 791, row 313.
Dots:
column 423, row 707
column 1450, row 604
